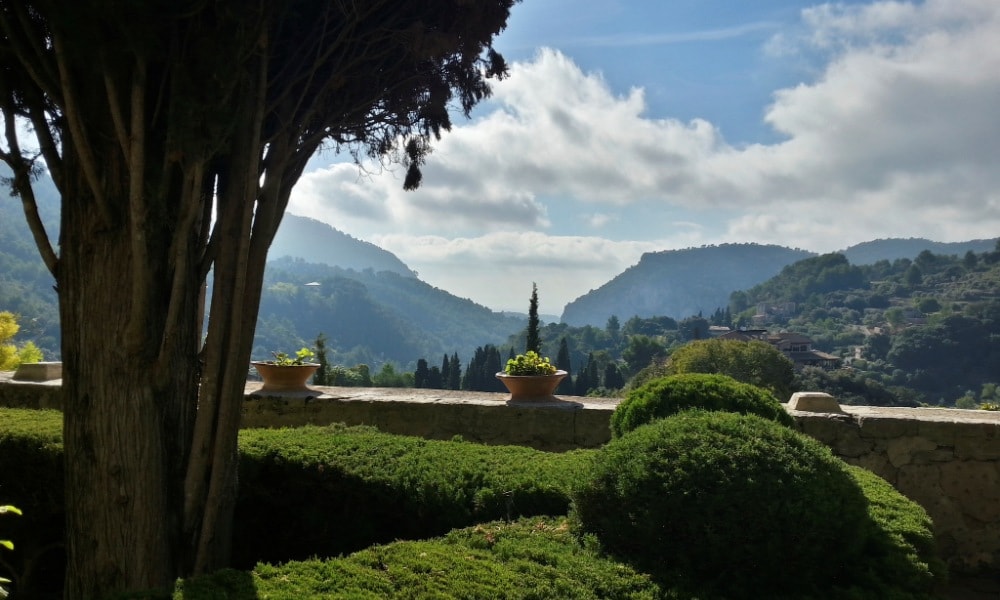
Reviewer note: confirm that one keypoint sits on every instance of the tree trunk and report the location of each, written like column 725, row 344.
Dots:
column 126, row 419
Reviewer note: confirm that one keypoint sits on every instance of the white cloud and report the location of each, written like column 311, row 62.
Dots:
column 564, row 267
column 896, row 135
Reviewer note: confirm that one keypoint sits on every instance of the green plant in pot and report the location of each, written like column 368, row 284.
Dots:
column 287, row 373
column 531, row 376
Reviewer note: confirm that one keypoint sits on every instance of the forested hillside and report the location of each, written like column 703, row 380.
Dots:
column 370, row 317
column 867, row 253
column 681, row 283
column 26, row 286
column 927, row 328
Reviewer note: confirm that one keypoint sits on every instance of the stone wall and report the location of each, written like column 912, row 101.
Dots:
column 947, row 460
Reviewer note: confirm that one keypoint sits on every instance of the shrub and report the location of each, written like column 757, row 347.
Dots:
column 536, row 558
column 31, row 478
column 737, row 506
column 307, row 491
column 332, row 490
column 665, row 396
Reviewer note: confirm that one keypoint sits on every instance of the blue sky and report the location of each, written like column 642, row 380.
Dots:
column 627, row 127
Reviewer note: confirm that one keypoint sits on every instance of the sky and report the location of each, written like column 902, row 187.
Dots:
column 633, row 126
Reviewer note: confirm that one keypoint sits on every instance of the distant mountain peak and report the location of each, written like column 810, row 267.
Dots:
column 317, row 242
column 681, row 283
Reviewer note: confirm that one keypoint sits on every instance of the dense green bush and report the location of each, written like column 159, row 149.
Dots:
column 738, row 506
column 535, row 558
column 332, row 490
column 665, row 396
column 31, row 478
column 901, row 559
column 307, row 491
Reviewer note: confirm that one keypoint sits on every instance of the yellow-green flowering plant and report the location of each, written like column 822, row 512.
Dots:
column 8, row 545
column 303, row 356
column 529, row 363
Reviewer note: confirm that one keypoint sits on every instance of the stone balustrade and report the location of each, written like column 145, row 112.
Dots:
column 947, row 460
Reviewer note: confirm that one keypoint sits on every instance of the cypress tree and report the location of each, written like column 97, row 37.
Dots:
column 434, row 378
column 455, row 373
column 613, row 378
column 492, row 367
column 563, row 363
column 420, row 375
column 533, row 342
column 445, row 372
column 322, row 375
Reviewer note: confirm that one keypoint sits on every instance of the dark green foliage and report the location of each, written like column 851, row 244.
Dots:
column 454, row 379
column 613, row 378
column 31, row 478
column 480, row 375
column 535, row 558
column 421, row 374
column 851, row 387
column 533, row 342
column 310, row 491
column 333, row 490
column 329, row 490
column 902, row 559
column 665, row 396
column 818, row 275
column 641, row 352
column 755, row 362
column 936, row 354
column 737, row 506
column 322, row 376
column 564, row 363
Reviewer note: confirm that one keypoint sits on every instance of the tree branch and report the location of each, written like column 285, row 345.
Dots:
column 30, row 49
column 71, row 113
column 142, row 286
column 22, row 184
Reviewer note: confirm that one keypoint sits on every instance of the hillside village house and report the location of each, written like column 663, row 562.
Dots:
column 797, row 347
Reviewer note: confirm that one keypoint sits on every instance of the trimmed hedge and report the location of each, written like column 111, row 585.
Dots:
column 331, row 490
column 738, row 506
column 31, row 478
column 530, row 558
column 309, row 491
column 665, row 396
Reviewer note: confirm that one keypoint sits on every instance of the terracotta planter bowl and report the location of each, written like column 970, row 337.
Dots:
column 531, row 387
column 285, row 379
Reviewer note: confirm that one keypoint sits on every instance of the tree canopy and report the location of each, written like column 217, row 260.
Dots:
column 174, row 132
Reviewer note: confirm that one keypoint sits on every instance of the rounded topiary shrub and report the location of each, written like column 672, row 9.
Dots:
column 665, row 396
column 726, row 505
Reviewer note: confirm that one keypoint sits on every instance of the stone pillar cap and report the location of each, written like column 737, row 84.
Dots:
column 818, row 402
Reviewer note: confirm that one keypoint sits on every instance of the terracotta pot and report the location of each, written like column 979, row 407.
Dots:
column 288, row 378
column 531, row 387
